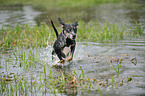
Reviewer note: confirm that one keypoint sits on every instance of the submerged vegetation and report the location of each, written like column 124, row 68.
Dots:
column 38, row 36
column 46, row 82
column 54, row 84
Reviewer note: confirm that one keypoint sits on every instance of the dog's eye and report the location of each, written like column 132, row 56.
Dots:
column 74, row 28
column 69, row 29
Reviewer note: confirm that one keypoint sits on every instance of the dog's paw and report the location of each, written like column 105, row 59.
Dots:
column 61, row 61
column 69, row 58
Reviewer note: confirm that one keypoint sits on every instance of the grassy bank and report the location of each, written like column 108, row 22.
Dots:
column 46, row 4
column 38, row 36
column 26, row 36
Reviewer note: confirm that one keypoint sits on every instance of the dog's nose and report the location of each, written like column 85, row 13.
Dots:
column 74, row 36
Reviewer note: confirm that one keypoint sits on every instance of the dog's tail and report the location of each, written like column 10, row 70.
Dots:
column 56, row 32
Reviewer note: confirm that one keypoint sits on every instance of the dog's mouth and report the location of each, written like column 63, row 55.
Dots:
column 72, row 37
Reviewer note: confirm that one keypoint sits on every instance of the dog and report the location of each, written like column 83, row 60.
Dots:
column 66, row 39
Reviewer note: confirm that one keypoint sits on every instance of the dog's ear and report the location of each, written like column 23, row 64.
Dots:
column 76, row 23
column 61, row 22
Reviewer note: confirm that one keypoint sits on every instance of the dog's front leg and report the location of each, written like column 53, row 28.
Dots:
column 72, row 52
column 60, row 54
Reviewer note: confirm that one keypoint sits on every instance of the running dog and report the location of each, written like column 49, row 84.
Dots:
column 65, row 39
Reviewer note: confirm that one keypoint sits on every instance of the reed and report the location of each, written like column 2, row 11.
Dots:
column 41, row 36
column 45, row 83
column 116, row 67
column 26, row 36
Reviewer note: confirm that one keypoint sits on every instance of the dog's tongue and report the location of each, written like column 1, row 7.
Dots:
column 66, row 50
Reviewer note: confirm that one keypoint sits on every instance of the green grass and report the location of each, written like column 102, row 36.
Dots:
column 26, row 36
column 97, row 32
column 40, row 36
column 116, row 68
column 47, row 4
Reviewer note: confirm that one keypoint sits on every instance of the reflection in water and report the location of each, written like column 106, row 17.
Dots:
column 122, row 13
column 14, row 15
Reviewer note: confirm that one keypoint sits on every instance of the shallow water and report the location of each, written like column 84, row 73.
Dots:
column 94, row 58
column 118, row 13
column 15, row 15
column 113, row 13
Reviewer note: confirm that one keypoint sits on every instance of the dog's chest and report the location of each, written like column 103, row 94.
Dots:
column 66, row 50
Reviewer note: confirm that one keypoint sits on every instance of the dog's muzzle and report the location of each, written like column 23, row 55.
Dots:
column 71, row 36
column 74, row 37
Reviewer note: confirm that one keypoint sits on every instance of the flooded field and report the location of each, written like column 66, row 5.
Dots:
column 95, row 59
column 107, row 69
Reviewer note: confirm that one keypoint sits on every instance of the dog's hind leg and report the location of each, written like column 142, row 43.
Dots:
column 53, row 54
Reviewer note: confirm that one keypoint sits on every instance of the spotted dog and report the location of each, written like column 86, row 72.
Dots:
column 65, row 39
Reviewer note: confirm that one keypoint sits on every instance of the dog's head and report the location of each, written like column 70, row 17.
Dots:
column 69, row 30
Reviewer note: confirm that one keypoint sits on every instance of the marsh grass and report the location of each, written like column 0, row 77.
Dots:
column 53, row 83
column 137, row 30
column 27, row 59
column 26, row 37
column 41, row 36
column 116, row 68
column 97, row 32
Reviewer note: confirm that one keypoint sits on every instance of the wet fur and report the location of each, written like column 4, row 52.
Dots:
column 65, row 39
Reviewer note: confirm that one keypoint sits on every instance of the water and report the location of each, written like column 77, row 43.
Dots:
column 17, row 15
column 94, row 58
column 118, row 13
column 122, row 13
